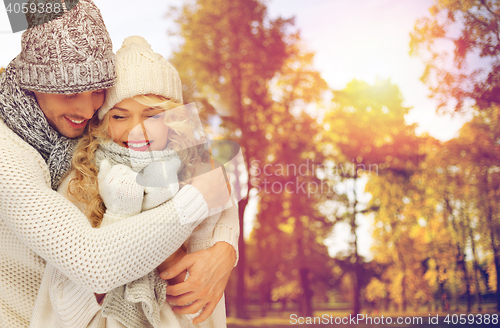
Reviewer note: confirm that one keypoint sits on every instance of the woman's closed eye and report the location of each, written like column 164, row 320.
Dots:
column 156, row 116
column 118, row 117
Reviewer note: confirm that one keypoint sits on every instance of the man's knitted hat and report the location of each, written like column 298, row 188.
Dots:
column 70, row 54
column 141, row 71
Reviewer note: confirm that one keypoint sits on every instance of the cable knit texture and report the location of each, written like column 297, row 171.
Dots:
column 37, row 223
column 154, row 168
column 70, row 54
column 20, row 111
column 141, row 71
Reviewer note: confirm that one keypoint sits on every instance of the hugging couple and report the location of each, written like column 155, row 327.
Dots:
column 111, row 211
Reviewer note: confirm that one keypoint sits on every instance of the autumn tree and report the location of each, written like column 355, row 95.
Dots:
column 398, row 240
column 412, row 236
column 474, row 158
column 453, row 187
column 439, row 212
column 290, row 229
column 367, row 130
column 460, row 45
column 235, row 58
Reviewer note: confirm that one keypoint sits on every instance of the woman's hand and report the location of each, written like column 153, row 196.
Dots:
column 209, row 273
column 119, row 190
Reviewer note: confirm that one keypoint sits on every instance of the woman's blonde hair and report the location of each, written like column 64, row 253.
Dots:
column 84, row 188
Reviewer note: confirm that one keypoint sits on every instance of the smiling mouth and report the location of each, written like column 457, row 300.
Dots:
column 76, row 123
column 140, row 146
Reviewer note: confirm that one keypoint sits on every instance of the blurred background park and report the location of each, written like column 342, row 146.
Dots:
column 371, row 136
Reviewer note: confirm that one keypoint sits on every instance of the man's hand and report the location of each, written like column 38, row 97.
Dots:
column 209, row 272
column 169, row 262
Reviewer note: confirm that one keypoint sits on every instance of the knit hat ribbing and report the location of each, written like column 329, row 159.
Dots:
column 70, row 54
column 141, row 71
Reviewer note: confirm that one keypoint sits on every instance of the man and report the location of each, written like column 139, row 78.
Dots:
column 49, row 92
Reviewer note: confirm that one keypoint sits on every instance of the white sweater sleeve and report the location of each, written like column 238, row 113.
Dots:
column 97, row 259
column 222, row 226
column 61, row 303
column 227, row 229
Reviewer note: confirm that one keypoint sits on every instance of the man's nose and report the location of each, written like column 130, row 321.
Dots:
column 85, row 105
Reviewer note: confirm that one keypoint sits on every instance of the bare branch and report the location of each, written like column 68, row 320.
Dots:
column 489, row 9
column 484, row 24
column 494, row 15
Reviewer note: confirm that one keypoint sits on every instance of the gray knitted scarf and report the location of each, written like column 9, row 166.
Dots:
column 137, row 160
column 20, row 111
column 138, row 303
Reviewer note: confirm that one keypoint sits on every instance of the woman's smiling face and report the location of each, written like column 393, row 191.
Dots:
column 137, row 126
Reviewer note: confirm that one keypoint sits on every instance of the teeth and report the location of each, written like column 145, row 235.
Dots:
column 77, row 122
column 137, row 145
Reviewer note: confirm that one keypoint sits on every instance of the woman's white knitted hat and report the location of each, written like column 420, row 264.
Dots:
column 141, row 71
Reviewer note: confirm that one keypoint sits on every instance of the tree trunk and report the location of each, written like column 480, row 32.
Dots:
column 387, row 301
column 496, row 252
column 444, row 297
column 463, row 267
column 264, row 299
column 354, row 253
column 494, row 234
column 403, row 290
column 464, row 225
column 356, row 290
column 306, row 299
column 479, row 296
column 497, row 267
column 240, row 285
column 460, row 243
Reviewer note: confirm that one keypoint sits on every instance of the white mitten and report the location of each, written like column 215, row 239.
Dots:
column 158, row 173
column 160, row 179
column 119, row 190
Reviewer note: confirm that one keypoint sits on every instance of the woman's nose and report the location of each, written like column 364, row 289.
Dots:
column 138, row 131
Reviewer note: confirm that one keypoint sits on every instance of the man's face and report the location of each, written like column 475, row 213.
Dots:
column 69, row 114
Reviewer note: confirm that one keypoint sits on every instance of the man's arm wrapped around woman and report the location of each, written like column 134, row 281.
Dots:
column 148, row 291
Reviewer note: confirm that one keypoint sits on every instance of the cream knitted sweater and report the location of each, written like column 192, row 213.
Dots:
column 63, row 304
column 37, row 224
